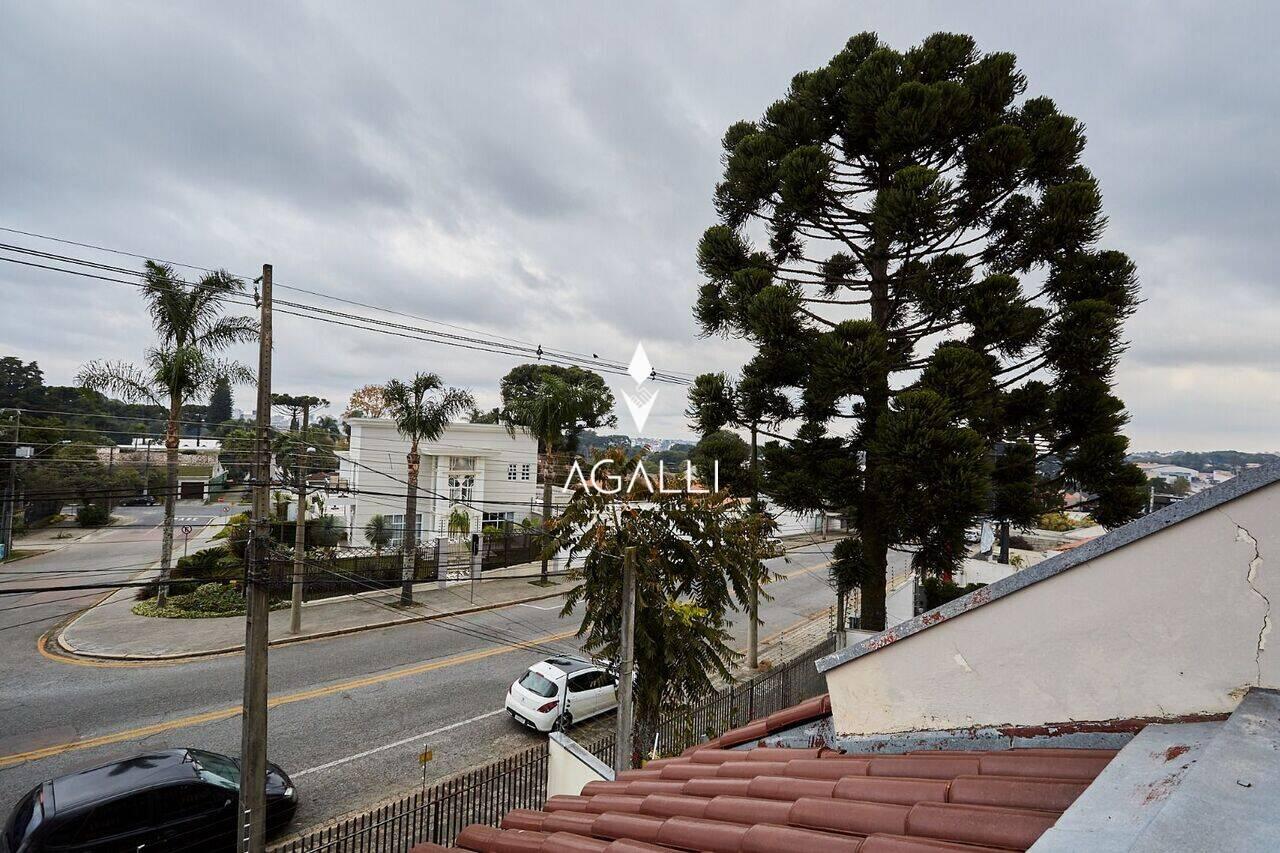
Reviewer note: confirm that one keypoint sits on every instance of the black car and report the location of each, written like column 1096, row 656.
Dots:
column 176, row 800
column 140, row 500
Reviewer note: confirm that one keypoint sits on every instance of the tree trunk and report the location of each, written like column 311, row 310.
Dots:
column 1004, row 542
column 546, row 505
column 170, row 498
column 410, row 540
column 871, row 521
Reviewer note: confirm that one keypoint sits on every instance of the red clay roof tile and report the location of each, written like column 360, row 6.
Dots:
column 1014, row 829
column 1025, row 792
column 671, row 805
column 767, row 838
column 789, row 788
column 903, row 844
column 576, row 822
column 748, row 810
column 884, row 789
column 635, row 826
column 717, row 787
column 747, row 769
column 1062, row 766
column 523, row 819
column 614, row 803
column 564, row 842
column 691, row 833
column 849, row 816
column 827, row 768
column 923, row 766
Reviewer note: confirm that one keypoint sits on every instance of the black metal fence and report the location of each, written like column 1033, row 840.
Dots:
column 438, row 813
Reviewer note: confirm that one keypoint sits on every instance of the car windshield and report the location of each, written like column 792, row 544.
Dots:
column 25, row 818
column 216, row 769
column 537, row 684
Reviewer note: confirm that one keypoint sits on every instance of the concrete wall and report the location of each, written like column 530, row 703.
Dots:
column 570, row 767
column 1175, row 622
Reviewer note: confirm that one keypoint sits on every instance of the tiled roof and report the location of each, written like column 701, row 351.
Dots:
column 776, row 800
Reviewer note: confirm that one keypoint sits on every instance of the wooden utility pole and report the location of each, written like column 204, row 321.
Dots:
column 253, row 721
column 753, row 616
column 626, row 712
column 300, row 524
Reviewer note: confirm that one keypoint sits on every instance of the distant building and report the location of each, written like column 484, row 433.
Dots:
column 478, row 468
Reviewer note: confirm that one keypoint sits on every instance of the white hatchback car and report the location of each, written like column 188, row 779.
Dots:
column 560, row 691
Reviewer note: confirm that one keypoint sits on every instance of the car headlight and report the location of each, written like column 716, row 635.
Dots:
column 289, row 793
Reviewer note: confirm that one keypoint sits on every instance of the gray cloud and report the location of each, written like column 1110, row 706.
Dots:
column 544, row 172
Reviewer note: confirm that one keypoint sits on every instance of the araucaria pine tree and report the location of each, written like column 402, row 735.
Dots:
column 932, row 299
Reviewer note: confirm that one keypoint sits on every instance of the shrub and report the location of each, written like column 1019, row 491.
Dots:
column 92, row 515
column 214, row 598
column 938, row 592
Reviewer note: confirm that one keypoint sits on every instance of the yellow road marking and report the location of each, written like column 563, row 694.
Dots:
column 273, row 702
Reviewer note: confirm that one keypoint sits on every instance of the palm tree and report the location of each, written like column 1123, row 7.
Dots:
column 421, row 408
column 549, row 412
column 184, row 366
column 377, row 532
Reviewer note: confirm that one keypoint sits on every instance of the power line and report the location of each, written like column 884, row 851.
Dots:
column 495, row 344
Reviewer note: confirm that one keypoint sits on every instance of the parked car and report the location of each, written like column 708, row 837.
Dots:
column 175, row 800
column 140, row 500
column 559, row 691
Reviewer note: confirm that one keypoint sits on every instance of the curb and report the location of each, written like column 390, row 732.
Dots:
column 71, row 651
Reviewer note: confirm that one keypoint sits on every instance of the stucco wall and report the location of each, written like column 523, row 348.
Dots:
column 569, row 767
column 1174, row 623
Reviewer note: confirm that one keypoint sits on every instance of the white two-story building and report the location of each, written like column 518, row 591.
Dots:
column 480, row 468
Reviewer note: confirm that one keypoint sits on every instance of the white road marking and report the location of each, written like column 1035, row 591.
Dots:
column 400, row 742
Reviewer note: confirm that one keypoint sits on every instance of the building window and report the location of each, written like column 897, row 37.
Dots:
column 461, row 487
column 462, row 463
column 513, row 472
column 497, row 519
column 526, row 471
column 397, row 529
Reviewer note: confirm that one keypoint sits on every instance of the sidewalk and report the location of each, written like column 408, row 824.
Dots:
column 65, row 532
column 111, row 630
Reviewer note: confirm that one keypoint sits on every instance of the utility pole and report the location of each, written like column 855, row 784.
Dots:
column 300, row 523
column 6, row 533
column 623, row 745
column 253, row 721
column 111, row 466
column 753, row 616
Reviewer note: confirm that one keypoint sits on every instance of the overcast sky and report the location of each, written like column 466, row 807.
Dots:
column 543, row 171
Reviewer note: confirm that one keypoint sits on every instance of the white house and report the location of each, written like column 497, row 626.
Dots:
column 479, row 468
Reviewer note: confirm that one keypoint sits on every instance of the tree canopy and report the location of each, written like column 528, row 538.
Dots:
column 556, row 402
column 930, row 303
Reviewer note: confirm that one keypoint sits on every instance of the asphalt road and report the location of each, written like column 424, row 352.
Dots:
column 350, row 715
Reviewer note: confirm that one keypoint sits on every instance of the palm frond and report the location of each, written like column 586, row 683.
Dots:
column 130, row 382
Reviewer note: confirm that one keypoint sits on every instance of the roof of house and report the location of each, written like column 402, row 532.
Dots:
column 775, row 800
column 1249, row 481
column 1209, row 784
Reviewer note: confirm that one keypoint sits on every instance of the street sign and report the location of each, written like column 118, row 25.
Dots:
column 425, row 756
column 186, row 530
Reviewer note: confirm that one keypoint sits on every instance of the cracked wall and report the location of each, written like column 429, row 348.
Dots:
column 1175, row 623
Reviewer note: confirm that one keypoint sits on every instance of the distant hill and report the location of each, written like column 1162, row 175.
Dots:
column 1209, row 460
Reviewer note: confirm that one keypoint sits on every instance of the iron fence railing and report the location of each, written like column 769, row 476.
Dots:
column 437, row 813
